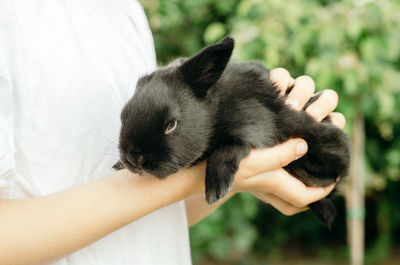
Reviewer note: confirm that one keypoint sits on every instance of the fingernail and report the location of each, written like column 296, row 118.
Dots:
column 335, row 122
column 294, row 103
column 316, row 113
column 301, row 149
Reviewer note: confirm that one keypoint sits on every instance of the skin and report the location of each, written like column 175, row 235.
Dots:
column 31, row 228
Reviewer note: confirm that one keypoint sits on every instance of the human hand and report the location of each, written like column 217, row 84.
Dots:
column 303, row 89
column 261, row 172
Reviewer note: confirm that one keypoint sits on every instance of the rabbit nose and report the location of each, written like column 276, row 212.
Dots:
column 136, row 159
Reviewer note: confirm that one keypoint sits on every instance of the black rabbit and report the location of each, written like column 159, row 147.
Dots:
column 204, row 108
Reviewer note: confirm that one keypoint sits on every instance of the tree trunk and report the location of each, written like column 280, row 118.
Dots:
column 355, row 193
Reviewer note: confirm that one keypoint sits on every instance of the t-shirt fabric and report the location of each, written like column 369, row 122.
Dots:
column 66, row 70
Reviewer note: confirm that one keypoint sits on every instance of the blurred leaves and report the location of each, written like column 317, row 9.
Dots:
column 351, row 46
column 214, row 32
column 227, row 231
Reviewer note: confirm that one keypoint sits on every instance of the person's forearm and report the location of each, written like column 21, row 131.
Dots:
column 197, row 208
column 38, row 230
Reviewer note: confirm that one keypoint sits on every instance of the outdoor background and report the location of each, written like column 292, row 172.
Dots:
column 351, row 46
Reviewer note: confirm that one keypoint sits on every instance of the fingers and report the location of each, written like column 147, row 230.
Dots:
column 303, row 89
column 281, row 78
column 280, row 204
column 324, row 105
column 283, row 185
column 262, row 160
column 338, row 119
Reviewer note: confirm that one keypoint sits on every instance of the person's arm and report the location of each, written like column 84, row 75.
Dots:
column 284, row 192
column 197, row 208
column 39, row 230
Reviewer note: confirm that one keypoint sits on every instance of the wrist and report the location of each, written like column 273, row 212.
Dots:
column 188, row 181
column 132, row 196
column 193, row 179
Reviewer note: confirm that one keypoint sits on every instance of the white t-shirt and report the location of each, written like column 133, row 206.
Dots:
column 66, row 70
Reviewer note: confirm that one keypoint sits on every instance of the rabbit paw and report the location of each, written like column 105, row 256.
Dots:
column 217, row 188
column 324, row 210
column 222, row 165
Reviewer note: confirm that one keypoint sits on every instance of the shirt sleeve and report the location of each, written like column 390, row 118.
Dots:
column 6, row 132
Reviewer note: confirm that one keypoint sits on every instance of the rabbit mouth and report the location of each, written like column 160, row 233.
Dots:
column 133, row 168
column 158, row 172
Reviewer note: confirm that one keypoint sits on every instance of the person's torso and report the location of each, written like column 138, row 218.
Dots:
column 73, row 65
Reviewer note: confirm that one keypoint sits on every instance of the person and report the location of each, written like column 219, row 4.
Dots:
column 66, row 70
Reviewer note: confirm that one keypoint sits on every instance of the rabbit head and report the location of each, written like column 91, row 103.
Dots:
column 168, row 123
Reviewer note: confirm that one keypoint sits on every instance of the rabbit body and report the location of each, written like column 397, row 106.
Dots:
column 221, row 111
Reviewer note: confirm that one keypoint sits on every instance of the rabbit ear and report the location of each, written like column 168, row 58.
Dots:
column 204, row 69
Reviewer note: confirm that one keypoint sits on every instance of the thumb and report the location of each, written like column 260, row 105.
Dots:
column 262, row 160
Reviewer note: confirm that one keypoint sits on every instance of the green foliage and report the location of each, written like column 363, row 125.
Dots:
column 182, row 27
column 351, row 46
column 227, row 232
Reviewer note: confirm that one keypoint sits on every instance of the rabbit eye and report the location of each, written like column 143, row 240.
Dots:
column 171, row 127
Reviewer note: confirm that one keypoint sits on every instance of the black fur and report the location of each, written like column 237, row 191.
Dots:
column 223, row 110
